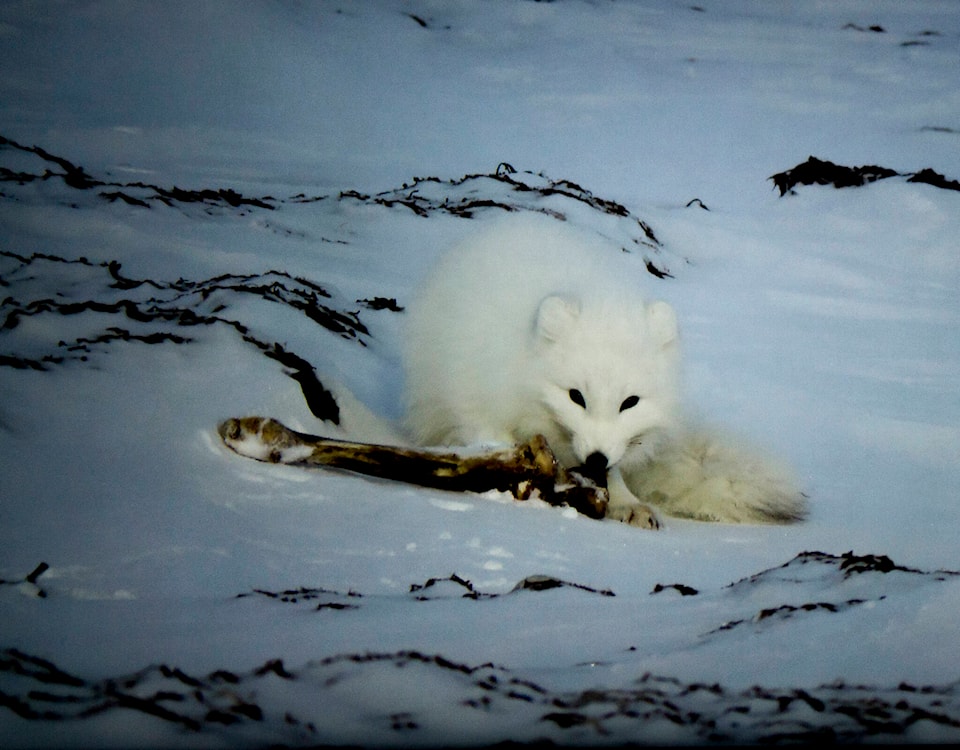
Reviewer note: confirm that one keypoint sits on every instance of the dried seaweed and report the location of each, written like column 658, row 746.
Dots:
column 203, row 704
column 816, row 171
column 233, row 703
column 182, row 304
column 505, row 189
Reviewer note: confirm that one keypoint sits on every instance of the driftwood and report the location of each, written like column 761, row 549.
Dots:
column 524, row 471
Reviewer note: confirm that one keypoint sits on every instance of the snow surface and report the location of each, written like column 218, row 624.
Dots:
column 822, row 326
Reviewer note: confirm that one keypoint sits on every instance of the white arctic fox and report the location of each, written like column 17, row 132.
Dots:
column 532, row 327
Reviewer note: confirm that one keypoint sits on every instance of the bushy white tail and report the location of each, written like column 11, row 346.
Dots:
column 709, row 477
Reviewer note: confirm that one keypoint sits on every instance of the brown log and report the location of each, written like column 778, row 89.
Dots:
column 527, row 469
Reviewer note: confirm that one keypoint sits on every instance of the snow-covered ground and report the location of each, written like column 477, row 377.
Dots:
column 823, row 325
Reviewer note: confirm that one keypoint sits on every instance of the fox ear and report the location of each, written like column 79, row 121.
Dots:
column 663, row 322
column 556, row 316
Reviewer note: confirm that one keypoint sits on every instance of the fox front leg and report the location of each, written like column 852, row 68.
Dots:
column 624, row 506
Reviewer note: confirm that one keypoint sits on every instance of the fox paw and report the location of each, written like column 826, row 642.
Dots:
column 638, row 515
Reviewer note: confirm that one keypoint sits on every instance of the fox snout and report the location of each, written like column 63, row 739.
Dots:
column 595, row 468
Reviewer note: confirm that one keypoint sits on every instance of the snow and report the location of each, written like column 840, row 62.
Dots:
column 820, row 326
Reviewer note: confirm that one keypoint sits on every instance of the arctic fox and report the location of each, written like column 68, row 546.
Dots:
column 533, row 327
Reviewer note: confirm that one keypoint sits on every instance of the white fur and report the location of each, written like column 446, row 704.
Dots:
column 515, row 319
column 512, row 320
column 706, row 477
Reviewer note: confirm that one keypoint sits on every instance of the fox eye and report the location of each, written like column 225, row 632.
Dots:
column 577, row 398
column 629, row 402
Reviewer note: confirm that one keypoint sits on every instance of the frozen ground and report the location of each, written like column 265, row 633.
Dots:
column 189, row 597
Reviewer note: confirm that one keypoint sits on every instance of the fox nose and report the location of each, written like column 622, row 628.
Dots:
column 595, row 468
column 596, row 461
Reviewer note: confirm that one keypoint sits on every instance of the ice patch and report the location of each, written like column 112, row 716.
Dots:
column 451, row 505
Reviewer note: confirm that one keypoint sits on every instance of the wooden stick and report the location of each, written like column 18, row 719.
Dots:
column 526, row 469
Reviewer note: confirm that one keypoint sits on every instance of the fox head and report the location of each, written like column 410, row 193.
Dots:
column 609, row 377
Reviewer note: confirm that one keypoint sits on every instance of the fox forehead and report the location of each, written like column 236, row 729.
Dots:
column 607, row 375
